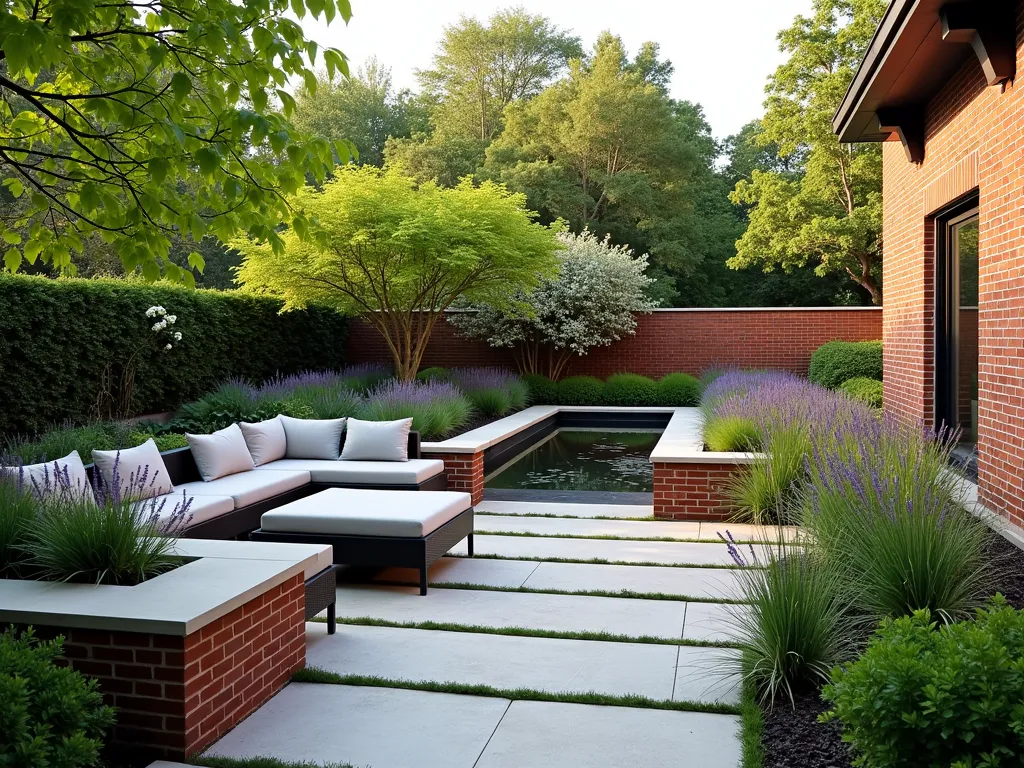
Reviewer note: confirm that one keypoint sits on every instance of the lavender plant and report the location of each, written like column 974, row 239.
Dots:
column 493, row 392
column 110, row 537
column 437, row 408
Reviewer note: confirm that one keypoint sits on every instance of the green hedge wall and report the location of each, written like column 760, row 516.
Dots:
column 57, row 336
column 837, row 361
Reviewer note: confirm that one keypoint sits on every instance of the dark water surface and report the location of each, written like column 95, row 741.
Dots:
column 584, row 460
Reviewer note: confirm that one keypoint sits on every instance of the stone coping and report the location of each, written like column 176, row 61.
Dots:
column 682, row 441
column 224, row 576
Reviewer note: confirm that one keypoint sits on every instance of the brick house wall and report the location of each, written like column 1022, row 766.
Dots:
column 667, row 341
column 974, row 140
column 176, row 695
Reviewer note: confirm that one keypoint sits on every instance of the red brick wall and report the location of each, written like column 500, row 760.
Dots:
column 666, row 341
column 465, row 472
column 691, row 491
column 176, row 695
column 974, row 139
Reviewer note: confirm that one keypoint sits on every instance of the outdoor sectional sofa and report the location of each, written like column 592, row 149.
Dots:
column 231, row 506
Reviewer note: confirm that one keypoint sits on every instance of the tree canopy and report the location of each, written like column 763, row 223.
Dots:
column 829, row 214
column 136, row 122
column 398, row 254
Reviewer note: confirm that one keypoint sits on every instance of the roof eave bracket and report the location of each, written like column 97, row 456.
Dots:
column 990, row 28
column 908, row 124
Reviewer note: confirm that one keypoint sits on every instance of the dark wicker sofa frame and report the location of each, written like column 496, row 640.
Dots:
column 181, row 468
column 387, row 551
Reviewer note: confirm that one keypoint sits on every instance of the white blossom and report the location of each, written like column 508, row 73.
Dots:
column 155, row 310
column 168, row 347
column 590, row 303
column 177, row 335
column 172, row 319
column 157, row 327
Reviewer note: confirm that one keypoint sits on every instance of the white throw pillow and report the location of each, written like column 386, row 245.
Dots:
column 140, row 471
column 265, row 439
column 312, row 438
column 222, row 453
column 377, row 440
column 53, row 478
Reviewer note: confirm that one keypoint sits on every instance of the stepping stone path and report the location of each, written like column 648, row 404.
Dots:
column 658, row 604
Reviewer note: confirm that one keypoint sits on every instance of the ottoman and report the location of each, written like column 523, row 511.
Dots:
column 375, row 528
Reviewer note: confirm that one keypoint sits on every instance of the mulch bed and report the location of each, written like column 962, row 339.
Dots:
column 793, row 737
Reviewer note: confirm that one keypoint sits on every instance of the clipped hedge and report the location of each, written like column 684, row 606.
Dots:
column 864, row 389
column 679, row 390
column 57, row 336
column 629, row 389
column 580, row 390
column 541, row 389
column 837, row 361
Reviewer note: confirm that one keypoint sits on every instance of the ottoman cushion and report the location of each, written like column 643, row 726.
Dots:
column 344, row 472
column 359, row 512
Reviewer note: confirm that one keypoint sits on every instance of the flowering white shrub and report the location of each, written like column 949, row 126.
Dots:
column 590, row 303
column 164, row 323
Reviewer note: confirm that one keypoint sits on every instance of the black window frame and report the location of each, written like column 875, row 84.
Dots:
column 959, row 212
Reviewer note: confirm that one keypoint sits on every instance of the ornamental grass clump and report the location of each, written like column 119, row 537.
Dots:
column 886, row 513
column 931, row 695
column 109, row 537
column 437, row 408
column 18, row 511
column 732, row 434
column 764, row 492
column 492, row 391
column 793, row 626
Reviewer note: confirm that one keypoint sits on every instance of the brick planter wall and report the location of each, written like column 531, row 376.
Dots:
column 974, row 134
column 176, row 695
column 691, row 491
column 465, row 472
column 666, row 341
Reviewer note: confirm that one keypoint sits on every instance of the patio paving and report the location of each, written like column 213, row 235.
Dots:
column 575, row 577
column 661, row 552
column 535, row 733
column 385, row 727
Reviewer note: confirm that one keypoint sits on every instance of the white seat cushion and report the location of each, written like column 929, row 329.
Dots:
column 247, row 487
column 140, row 470
column 201, row 509
column 362, row 512
column 221, row 453
column 410, row 472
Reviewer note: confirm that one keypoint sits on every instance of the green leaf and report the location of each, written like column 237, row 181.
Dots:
column 181, row 84
column 12, row 259
column 15, row 186
column 208, row 160
column 196, row 261
column 11, row 237
column 345, row 9
column 158, row 168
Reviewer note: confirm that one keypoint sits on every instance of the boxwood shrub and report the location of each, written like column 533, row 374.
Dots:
column 929, row 696
column 580, row 390
column 542, row 390
column 626, row 389
column 57, row 336
column 679, row 390
column 837, row 361
column 864, row 389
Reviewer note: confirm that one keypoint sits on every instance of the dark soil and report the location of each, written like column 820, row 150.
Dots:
column 793, row 737
column 1009, row 563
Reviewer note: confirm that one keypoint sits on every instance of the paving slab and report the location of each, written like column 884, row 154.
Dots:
column 710, row 621
column 708, row 674
column 558, row 613
column 717, row 583
column 565, row 508
column 534, row 733
column 561, row 526
column 379, row 727
column 466, row 570
column 662, row 552
column 544, row 664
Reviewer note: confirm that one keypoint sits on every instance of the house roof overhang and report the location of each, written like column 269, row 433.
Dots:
column 917, row 47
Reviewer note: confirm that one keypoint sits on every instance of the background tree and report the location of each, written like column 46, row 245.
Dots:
column 591, row 302
column 364, row 109
column 480, row 69
column 104, row 107
column 830, row 214
column 398, row 254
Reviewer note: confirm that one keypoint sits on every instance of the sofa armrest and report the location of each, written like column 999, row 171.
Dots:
column 414, row 445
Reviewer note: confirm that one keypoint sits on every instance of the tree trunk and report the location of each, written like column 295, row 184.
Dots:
column 866, row 280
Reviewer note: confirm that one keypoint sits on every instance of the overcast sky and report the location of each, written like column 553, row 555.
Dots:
column 722, row 50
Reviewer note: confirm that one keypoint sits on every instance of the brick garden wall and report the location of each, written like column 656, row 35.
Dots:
column 974, row 140
column 176, row 695
column 692, row 491
column 687, row 340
